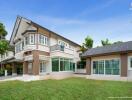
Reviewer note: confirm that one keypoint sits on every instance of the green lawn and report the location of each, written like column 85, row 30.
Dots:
column 67, row 89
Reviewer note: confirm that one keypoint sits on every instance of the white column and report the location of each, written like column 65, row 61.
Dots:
column 5, row 72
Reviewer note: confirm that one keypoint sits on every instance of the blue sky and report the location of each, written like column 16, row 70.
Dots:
column 74, row 19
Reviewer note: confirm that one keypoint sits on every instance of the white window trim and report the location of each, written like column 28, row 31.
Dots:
column 44, row 40
column 43, row 71
column 104, row 66
column 18, row 47
column 32, row 35
column 129, row 57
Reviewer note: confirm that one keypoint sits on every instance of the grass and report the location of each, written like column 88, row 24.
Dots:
column 67, row 89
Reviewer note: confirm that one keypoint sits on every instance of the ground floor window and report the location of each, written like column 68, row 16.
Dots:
column 112, row 67
column 98, row 67
column 62, row 64
column 129, row 63
column 42, row 67
column 108, row 67
column 55, row 64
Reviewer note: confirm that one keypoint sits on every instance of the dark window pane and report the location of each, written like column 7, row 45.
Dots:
column 55, row 64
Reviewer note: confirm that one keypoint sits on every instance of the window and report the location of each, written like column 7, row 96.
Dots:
column 62, row 64
column 22, row 45
column 26, row 40
column 72, row 66
column 112, row 67
column 81, row 64
column 43, row 40
column 18, row 47
column 130, row 63
column 42, row 67
column 98, row 67
column 108, row 67
column 55, row 64
column 32, row 38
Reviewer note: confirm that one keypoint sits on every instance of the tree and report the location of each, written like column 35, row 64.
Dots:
column 88, row 42
column 3, row 32
column 4, row 44
column 117, row 42
column 83, row 49
column 105, row 42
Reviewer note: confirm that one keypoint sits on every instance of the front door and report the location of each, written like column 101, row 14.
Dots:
column 30, row 68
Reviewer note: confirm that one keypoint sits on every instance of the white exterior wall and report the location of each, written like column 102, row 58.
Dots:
column 43, row 48
column 29, row 47
column 53, row 41
column 23, row 26
column 19, row 55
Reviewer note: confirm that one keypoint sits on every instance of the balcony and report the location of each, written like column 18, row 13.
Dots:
column 59, row 48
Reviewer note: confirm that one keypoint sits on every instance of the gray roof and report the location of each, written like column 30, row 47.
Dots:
column 114, row 48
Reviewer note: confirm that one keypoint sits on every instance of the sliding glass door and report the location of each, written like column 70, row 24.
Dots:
column 112, row 67
column 62, row 64
column 98, row 67
column 108, row 67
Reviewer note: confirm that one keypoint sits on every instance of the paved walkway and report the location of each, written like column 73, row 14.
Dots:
column 28, row 78
column 9, row 78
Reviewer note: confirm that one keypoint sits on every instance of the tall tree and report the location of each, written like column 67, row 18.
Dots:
column 4, row 45
column 88, row 42
column 83, row 49
column 117, row 42
column 3, row 32
column 105, row 42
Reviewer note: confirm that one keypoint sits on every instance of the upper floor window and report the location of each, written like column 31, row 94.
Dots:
column 43, row 40
column 30, row 39
column 18, row 47
column 26, row 40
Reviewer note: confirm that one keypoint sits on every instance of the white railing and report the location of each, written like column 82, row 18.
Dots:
column 61, row 49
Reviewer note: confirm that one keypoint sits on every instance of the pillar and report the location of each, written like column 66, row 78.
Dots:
column 35, row 62
column 25, row 67
column 88, row 66
column 124, row 62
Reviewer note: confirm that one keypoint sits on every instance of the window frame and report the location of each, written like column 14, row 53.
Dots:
column 129, row 66
column 43, row 40
column 31, row 38
column 18, row 47
column 63, row 59
column 105, row 67
column 42, row 69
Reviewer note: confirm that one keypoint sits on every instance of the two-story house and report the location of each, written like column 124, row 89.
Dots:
column 40, row 52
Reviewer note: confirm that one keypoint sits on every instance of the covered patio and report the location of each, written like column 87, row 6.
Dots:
column 11, row 67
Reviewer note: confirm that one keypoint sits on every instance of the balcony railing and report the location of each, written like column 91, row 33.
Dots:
column 61, row 48
column 57, row 47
